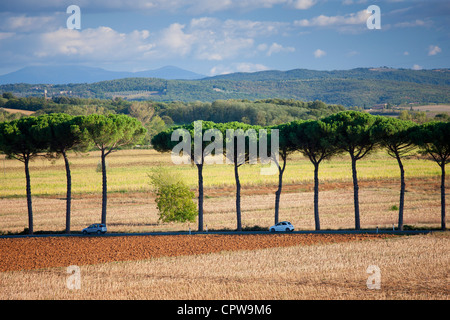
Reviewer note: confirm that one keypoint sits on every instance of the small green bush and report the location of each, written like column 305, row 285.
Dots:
column 175, row 203
column 174, row 199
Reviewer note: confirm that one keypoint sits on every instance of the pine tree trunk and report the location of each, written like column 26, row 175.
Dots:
column 278, row 194
column 355, row 194
column 69, row 192
column 29, row 203
column 402, row 194
column 277, row 200
column 443, row 226
column 238, row 196
column 316, row 196
column 104, row 188
column 200, row 196
column 280, row 185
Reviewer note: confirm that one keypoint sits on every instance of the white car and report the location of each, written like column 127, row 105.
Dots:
column 95, row 228
column 284, row 226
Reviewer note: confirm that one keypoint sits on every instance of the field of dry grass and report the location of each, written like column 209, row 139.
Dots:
column 137, row 212
column 433, row 108
column 128, row 172
column 25, row 112
column 411, row 267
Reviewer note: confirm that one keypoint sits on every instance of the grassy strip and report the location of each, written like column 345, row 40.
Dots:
column 128, row 172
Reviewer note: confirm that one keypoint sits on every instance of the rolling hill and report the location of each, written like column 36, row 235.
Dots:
column 437, row 76
column 361, row 87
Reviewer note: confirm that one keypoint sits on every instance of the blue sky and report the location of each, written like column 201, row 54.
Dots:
column 215, row 37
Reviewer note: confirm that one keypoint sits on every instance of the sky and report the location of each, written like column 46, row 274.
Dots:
column 216, row 37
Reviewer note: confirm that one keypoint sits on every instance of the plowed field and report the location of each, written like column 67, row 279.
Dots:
column 37, row 253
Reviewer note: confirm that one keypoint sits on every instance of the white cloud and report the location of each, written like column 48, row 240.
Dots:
column 100, row 44
column 222, row 49
column 217, row 70
column 331, row 21
column 434, row 50
column 319, row 53
column 6, row 35
column 350, row 2
column 250, row 67
column 237, row 67
column 238, row 28
column 277, row 48
column 262, row 47
column 352, row 53
column 212, row 39
column 410, row 24
column 303, row 4
column 24, row 23
column 217, row 40
column 205, row 23
column 176, row 40
column 416, row 67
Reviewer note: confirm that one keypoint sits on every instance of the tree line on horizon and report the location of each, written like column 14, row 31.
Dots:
column 257, row 112
column 351, row 132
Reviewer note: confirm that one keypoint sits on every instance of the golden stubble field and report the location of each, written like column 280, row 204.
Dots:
column 137, row 212
column 409, row 267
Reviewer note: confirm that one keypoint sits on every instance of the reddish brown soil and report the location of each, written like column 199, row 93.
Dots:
column 37, row 253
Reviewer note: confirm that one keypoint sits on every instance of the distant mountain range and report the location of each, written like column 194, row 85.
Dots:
column 79, row 74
